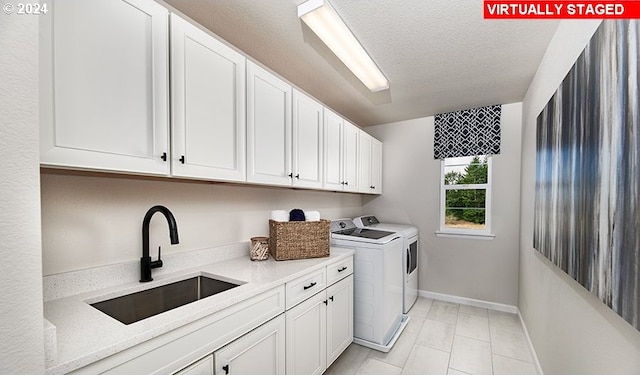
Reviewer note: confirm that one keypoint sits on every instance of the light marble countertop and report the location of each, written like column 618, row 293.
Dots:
column 85, row 335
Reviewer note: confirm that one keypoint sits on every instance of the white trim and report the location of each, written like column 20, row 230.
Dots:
column 466, row 235
column 467, row 187
column 536, row 361
column 489, row 305
column 469, row 301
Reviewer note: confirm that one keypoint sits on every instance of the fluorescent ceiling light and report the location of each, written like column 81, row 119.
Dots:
column 320, row 16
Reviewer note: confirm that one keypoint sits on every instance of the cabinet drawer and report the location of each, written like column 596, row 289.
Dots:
column 339, row 270
column 202, row 367
column 304, row 287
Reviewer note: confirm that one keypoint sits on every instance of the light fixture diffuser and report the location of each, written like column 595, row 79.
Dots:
column 320, row 16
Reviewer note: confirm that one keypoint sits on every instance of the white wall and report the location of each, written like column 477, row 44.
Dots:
column 21, row 322
column 94, row 220
column 472, row 268
column 572, row 331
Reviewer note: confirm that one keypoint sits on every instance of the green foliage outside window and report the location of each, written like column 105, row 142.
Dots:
column 467, row 204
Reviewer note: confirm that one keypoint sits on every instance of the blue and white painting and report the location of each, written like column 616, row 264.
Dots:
column 587, row 207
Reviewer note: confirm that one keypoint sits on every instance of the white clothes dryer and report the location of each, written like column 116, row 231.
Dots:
column 377, row 290
column 409, row 255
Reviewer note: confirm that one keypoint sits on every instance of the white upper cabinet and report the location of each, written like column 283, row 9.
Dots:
column 268, row 128
column 350, row 153
column 105, row 103
column 365, row 163
column 370, row 164
column 333, row 125
column 307, row 141
column 208, row 106
column 104, row 86
column 376, row 166
column 341, row 144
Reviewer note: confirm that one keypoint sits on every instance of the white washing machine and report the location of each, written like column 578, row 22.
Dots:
column 377, row 291
column 409, row 255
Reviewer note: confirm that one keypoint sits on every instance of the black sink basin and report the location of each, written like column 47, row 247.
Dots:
column 134, row 307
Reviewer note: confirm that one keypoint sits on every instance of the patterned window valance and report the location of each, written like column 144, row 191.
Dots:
column 467, row 133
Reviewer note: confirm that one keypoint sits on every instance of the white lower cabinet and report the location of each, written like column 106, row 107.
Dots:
column 306, row 336
column 339, row 318
column 182, row 348
column 298, row 328
column 315, row 329
column 261, row 351
column 320, row 329
column 202, row 367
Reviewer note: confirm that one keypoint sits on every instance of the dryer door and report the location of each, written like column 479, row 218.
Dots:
column 412, row 257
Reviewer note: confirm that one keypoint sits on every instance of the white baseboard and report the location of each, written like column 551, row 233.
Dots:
column 489, row 305
column 536, row 362
column 469, row 301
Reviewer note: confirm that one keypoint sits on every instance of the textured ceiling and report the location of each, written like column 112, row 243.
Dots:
column 439, row 55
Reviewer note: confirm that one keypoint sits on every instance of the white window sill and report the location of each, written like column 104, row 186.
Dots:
column 466, row 235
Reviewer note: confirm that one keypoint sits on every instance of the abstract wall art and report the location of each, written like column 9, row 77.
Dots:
column 587, row 203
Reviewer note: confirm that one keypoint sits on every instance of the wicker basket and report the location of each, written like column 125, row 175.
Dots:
column 299, row 239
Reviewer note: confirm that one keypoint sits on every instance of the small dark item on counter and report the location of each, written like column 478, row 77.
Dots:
column 296, row 215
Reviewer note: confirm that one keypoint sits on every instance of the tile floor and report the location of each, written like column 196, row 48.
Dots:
column 445, row 338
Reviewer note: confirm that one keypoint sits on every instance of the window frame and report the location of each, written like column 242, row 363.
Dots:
column 484, row 233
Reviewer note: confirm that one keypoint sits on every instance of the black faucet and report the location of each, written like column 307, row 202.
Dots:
column 146, row 264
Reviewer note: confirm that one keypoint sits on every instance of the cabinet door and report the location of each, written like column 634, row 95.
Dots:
column 364, row 161
column 339, row 318
column 104, row 97
column 350, row 159
column 208, row 105
column 306, row 337
column 376, row 166
column 333, row 125
column 261, row 351
column 307, row 141
column 268, row 128
column 202, row 367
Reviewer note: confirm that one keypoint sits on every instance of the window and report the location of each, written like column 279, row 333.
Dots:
column 465, row 196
